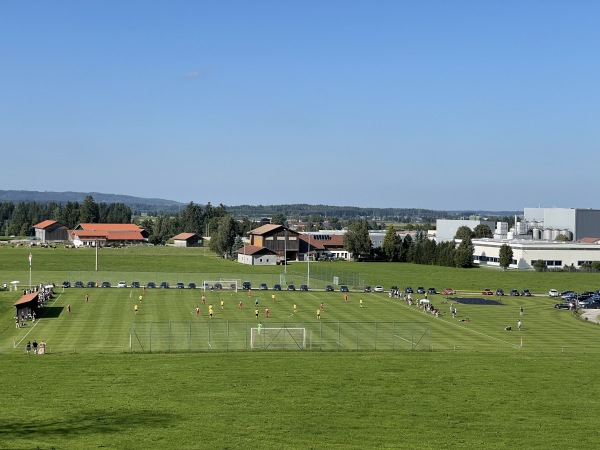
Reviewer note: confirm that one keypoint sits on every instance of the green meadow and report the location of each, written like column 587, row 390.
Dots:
column 384, row 375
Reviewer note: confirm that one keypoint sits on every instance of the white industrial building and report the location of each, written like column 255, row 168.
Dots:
column 559, row 236
column 446, row 229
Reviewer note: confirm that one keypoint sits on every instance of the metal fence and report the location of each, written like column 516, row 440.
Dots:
column 319, row 277
column 175, row 336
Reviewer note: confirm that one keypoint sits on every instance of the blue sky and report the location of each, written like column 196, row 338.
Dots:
column 430, row 104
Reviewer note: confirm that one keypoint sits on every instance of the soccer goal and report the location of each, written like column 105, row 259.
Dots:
column 265, row 338
column 231, row 285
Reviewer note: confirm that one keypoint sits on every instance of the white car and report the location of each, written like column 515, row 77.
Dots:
column 553, row 293
column 122, row 284
column 378, row 288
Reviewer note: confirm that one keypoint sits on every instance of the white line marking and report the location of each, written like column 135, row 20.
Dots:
column 465, row 328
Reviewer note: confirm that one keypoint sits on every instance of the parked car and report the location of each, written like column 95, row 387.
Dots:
column 91, row 284
column 217, row 286
column 246, row 285
column 276, row 287
column 233, row 286
column 526, row 293
column 105, row 284
column 565, row 305
column 135, row 284
column 66, row 284
column 563, row 293
column 589, row 304
column 368, row 288
column 408, row 290
column 122, row 284
column 394, row 289
column 448, row 291
column 303, row 287
column 180, row 285
column 378, row 288
column 514, row 292
column 420, row 290
column 192, row 286
column 553, row 293
column 263, row 287
column 431, row 291
column 151, row 285
column 79, row 284
column 344, row 288
column 291, row 287
column 329, row 288
column 499, row 292
column 487, row 291
column 164, row 285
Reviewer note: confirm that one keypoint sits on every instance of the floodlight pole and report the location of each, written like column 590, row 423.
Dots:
column 96, row 255
column 308, row 255
column 285, row 253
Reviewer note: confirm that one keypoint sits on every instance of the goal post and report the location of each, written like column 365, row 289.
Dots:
column 266, row 338
column 230, row 285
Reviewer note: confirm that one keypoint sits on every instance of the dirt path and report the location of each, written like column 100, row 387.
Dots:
column 591, row 315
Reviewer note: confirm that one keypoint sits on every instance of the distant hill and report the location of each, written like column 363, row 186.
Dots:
column 63, row 197
column 148, row 205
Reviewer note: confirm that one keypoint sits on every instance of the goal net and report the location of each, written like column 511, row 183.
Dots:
column 278, row 338
column 231, row 285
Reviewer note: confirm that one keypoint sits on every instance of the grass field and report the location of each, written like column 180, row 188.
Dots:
column 469, row 384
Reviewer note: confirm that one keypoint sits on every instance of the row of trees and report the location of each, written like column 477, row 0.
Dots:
column 420, row 249
column 19, row 219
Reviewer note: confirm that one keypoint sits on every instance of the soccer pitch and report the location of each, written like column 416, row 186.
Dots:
column 167, row 321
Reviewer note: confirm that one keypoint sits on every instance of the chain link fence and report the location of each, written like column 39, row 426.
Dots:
column 175, row 336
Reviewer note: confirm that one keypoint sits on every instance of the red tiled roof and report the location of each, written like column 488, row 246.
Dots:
column 127, row 233
column 589, row 240
column 108, row 227
column 45, row 224
column 26, row 299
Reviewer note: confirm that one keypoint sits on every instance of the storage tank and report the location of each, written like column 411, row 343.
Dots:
column 510, row 235
column 555, row 234
column 547, row 234
column 568, row 234
column 537, row 234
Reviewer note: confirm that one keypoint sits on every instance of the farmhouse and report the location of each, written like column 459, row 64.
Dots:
column 107, row 234
column 281, row 242
column 51, row 230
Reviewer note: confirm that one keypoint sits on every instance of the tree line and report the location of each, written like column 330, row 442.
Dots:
column 421, row 249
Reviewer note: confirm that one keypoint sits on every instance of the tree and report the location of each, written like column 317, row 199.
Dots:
column 505, row 256
column 463, row 233
column 463, row 257
column 278, row 219
column 191, row 219
column 562, row 238
column 540, row 265
column 89, row 212
column 391, row 244
column 483, row 231
column 223, row 238
column 357, row 240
